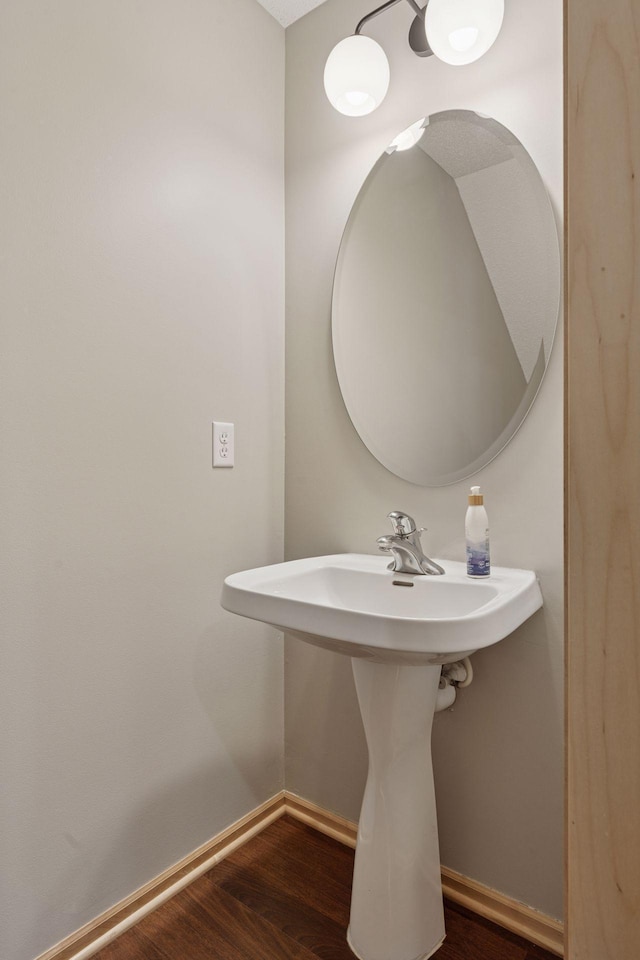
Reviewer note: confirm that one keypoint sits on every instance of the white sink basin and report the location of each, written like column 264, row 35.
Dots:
column 353, row 604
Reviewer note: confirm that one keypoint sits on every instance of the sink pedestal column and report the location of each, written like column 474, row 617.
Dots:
column 396, row 903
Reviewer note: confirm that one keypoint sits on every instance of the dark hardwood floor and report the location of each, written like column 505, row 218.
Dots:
column 285, row 896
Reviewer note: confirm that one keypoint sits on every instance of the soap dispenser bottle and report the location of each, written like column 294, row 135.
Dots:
column 476, row 528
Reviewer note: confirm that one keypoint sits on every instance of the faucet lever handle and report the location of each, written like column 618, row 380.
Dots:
column 403, row 525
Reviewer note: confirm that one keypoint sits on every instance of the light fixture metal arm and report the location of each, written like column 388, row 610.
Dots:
column 419, row 11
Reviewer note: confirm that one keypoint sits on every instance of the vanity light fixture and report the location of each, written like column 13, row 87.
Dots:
column 356, row 74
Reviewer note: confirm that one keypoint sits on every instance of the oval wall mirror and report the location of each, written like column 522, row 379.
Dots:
column 446, row 297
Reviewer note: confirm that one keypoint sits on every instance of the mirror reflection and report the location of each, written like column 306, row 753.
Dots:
column 446, row 297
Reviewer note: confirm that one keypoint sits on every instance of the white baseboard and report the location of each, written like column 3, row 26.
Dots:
column 84, row 943
column 506, row 912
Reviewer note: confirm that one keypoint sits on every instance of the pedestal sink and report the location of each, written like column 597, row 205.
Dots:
column 398, row 629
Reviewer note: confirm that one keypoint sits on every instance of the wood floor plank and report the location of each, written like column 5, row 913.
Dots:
column 205, row 923
column 285, row 895
column 470, row 937
column 298, row 863
column 295, row 842
column 324, row 937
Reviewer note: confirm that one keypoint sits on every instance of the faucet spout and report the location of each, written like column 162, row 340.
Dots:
column 406, row 548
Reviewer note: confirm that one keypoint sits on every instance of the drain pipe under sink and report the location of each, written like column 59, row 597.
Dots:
column 453, row 676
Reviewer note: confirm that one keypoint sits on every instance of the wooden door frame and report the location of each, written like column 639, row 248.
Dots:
column 602, row 478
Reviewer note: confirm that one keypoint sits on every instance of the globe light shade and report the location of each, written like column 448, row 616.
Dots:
column 356, row 76
column 461, row 31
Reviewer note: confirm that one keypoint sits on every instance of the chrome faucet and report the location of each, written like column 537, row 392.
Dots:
column 405, row 546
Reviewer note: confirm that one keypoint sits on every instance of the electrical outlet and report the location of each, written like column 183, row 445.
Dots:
column 223, row 445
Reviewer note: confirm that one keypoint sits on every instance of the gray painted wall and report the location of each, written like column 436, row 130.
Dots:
column 498, row 754
column 142, row 298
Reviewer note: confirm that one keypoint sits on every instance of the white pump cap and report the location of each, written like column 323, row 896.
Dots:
column 475, row 497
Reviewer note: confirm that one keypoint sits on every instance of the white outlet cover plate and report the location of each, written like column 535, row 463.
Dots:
column 223, row 437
